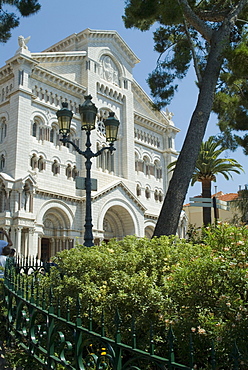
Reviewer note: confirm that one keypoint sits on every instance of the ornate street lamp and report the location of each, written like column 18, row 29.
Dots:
column 88, row 112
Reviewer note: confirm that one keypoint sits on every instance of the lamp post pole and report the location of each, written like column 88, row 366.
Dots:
column 88, row 113
column 88, row 235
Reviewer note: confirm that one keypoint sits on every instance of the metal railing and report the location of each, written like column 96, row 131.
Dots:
column 65, row 337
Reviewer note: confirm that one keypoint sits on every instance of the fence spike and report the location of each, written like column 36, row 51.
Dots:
column 32, row 289
column 90, row 320
column 171, row 338
column 118, row 326
column 78, row 311
column 191, row 351
column 36, row 262
column 78, row 306
column 59, row 306
column 151, row 340
column 23, row 286
column 213, row 359
column 68, row 315
column 27, row 289
column 102, row 324
column 134, row 339
column 37, row 293
column 43, row 298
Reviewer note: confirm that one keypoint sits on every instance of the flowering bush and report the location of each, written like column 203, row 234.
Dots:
column 198, row 289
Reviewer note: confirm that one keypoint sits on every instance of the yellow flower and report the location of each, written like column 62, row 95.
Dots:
column 110, row 250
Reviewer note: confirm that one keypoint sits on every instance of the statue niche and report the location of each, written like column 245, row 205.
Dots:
column 109, row 70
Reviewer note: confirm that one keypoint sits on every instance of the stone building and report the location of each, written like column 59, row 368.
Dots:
column 39, row 203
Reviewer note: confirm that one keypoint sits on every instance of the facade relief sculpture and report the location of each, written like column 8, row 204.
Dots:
column 109, row 70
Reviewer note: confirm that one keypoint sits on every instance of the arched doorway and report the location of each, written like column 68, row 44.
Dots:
column 117, row 223
column 149, row 231
column 56, row 227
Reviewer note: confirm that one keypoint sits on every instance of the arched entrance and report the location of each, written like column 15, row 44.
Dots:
column 56, row 226
column 149, row 231
column 117, row 223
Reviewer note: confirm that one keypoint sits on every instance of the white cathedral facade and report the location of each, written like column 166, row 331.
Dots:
column 39, row 203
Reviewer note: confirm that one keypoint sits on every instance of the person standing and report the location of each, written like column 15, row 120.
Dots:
column 4, row 243
column 3, row 257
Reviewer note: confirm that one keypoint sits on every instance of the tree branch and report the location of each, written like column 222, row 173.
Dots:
column 205, row 30
column 192, row 48
column 212, row 16
column 233, row 14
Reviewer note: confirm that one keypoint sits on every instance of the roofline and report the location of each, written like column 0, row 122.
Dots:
column 75, row 37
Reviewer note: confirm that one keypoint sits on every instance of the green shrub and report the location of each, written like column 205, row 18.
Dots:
column 198, row 289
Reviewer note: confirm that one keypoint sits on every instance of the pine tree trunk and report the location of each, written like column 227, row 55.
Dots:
column 171, row 209
column 206, row 193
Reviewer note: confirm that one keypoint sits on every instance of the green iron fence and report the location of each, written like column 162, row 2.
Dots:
column 65, row 337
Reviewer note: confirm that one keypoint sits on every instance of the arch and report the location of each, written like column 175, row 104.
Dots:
column 147, row 155
column 137, row 153
column 109, row 70
column 157, row 169
column 4, row 115
column 57, row 207
column 149, row 228
column 56, row 226
column 149, row 231
column 42, row 154
column 117, row 223
column 111, row 55
column 121, row 217
column 55, row 219
column 3, row 128
column 39, row 116
column 56, row 158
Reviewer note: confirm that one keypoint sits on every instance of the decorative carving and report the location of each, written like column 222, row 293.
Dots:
column 23, row 49
column 169, row 114
column 106, row 226
column 109, row 70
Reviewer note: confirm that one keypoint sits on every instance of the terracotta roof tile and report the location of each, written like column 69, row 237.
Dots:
column 220, row 195
column 228, row 197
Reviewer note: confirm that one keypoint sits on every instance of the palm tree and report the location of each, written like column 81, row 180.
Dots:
column 207, row 166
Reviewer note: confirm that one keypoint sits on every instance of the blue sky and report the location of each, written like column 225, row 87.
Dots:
column 58, row 19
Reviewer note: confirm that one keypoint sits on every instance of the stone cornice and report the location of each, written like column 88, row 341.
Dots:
column 120, row 184
column 75, row 39
column 53, row 79
column 163, row 120
column 6, row 73
column 69, row 56
column 150, row 216
column 60, row 196
column 162, row 125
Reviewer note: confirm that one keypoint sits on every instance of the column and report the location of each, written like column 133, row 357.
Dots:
column 18, row 237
